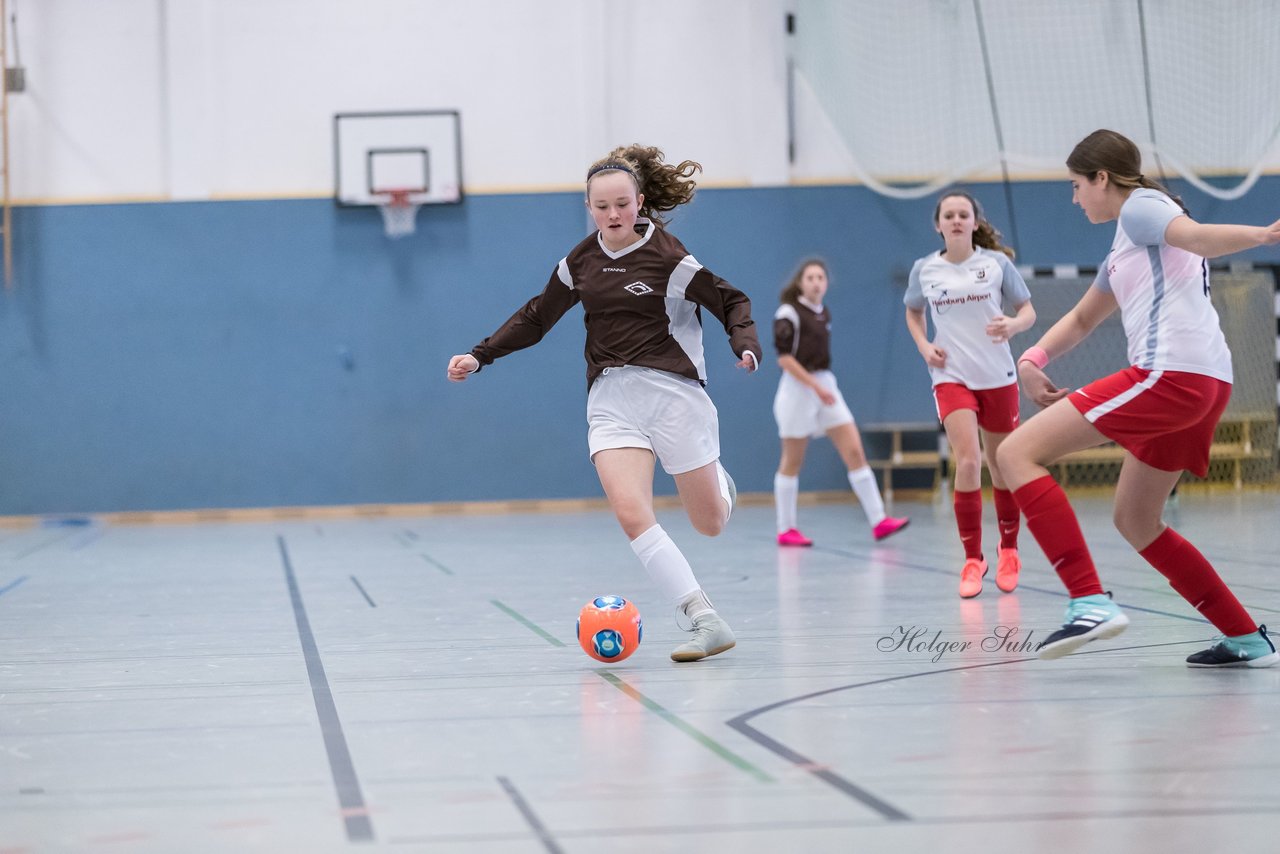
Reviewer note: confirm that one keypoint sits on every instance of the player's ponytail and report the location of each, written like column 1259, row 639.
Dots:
column 1118, row 156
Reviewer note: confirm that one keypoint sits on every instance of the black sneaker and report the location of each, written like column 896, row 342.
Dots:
column 1255, row 650
column 1089, row 618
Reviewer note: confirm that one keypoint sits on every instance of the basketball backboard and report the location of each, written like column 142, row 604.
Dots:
column 415, row 150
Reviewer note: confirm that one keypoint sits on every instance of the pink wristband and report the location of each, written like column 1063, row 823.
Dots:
column 1036, row 356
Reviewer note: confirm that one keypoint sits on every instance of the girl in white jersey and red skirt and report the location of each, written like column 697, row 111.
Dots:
column 642, row 293
column 966, row 286
column 808, row 403
column 1162, row 409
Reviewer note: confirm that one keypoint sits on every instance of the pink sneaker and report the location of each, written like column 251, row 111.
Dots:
column 971, row 577
column 888, row 526
column 1008, row 565
column 793, row 537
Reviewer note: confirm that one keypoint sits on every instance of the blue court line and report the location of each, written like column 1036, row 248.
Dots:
column 355, row 814
column 13, row 584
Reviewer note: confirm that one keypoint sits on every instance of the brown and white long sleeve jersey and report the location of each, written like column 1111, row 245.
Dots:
column 642, row 307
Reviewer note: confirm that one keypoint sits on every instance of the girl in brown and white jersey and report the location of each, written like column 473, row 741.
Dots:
column 643, row 296
column 808, row 403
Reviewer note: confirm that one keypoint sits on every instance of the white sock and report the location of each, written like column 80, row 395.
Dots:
column 785, row 490
column 726, row 494
column 863, row 481
column 665, row 564
column 696, row 604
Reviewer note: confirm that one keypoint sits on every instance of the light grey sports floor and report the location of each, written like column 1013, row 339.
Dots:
column 413, row 684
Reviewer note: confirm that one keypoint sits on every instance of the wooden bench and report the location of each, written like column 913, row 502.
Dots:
column 1238, row 440
column 900, row 458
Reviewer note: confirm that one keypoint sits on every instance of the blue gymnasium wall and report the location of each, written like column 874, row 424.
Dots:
column 233, row 354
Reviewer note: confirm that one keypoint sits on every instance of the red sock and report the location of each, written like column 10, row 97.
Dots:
column 1196, row 581
column 969, row 520
column 1007, row 517
column 1053, row 523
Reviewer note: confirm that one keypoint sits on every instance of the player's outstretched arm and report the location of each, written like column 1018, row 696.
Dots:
column 462, row 366
column 1210, row 240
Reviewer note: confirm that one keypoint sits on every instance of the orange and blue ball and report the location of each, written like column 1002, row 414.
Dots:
column 609, row 628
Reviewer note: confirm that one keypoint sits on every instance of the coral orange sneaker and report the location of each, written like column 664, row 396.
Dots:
column 1008, row 565
column 971, row 577
column 792, row 537
column 888, row 526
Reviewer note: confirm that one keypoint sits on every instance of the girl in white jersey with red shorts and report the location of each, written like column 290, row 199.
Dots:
column 808, row 403
column 1162, row 409
column 642, row 292
column 966, row 286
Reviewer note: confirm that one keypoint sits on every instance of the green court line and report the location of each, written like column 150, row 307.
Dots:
column 437, row 564
column 529, row 624
column 676, row 721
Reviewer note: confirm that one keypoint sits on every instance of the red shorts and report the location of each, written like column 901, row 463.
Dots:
column 1164, row 418
column 997, row 408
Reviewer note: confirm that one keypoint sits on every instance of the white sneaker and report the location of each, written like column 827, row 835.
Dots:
column 728, row 490
column 711, row 636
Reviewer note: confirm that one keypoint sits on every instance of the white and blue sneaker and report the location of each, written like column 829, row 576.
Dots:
column 1251, row 650
column 1089, row 618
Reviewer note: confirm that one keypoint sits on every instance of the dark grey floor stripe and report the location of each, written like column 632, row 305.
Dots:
column 355, row 814
column 740, row 723
column 521, row 804
column 859, row 794
column 360, row 587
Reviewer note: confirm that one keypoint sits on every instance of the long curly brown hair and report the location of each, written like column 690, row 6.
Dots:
column 984, row 233
column 664, row 186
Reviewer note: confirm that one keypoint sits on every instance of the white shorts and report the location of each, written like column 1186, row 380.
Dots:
column 672, row 416
column 800, row 412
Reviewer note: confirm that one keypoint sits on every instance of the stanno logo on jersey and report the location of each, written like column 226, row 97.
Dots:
column 614, row 270
column 639, row 288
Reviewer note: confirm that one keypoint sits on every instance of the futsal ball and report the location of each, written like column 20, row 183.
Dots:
column 609, row 628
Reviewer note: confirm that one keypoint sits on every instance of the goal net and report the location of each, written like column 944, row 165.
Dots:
column 940, row 91
column 1244, row 449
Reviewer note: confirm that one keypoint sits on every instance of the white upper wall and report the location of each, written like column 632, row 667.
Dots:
column 193, row 99
column 197, row 99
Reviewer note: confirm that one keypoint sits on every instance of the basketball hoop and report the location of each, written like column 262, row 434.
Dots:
column 399, row 212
